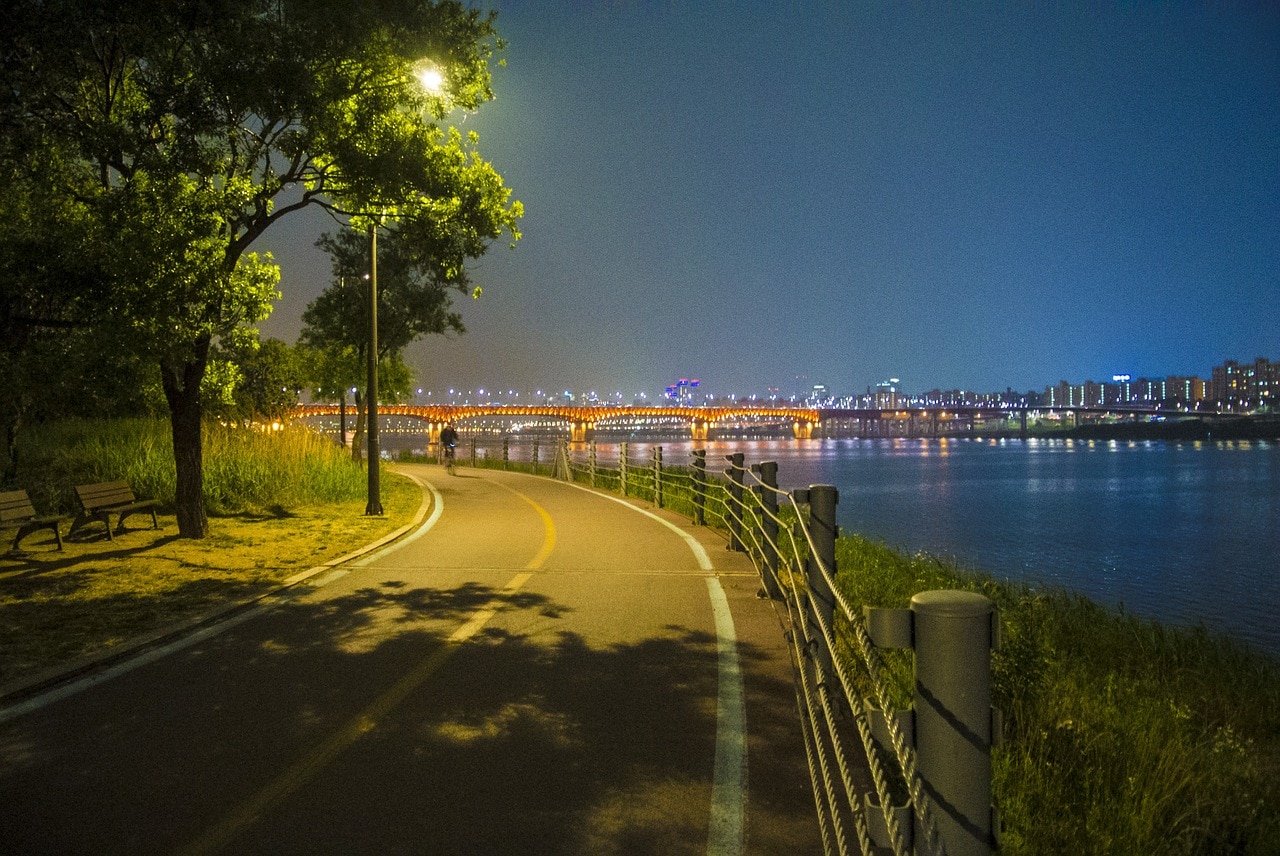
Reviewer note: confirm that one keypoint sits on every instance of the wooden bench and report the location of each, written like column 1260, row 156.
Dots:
column 17, row 512
column 100, row 501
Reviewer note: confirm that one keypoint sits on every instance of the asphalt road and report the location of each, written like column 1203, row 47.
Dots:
column 536, row 669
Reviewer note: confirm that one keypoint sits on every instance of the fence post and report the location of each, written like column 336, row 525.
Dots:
column 473, row 453
column 592, row 464
column 535, row 457
column 954, row 634
column 657, row 476
column 700, row 487
column 506, row 451
column 737, row 510
column 767, row 492
column 562, row 470
column 622, row 466
column 822, row 500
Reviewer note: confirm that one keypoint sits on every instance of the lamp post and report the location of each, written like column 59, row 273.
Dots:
column 374, row 505
column 431, row 80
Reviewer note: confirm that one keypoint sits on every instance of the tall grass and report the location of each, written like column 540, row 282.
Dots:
column 295, row 466
column 244, row 468
column 1122, row 735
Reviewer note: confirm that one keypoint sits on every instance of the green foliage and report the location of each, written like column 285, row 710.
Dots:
column 257, row 381
column 148, row 145
column 248, row 468
column 1121, row 735
column 413, row 294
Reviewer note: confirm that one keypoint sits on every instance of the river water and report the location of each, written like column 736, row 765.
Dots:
column 1181, row 532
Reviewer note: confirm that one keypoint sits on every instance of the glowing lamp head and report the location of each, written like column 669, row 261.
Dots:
column 429, row 77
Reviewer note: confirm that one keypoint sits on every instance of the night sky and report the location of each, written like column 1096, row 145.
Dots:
column 776, row 195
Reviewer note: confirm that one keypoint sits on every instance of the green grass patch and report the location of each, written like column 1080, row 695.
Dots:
column 1122, row 735
column 97, row 594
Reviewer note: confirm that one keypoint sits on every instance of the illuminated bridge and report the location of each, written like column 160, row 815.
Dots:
column 930, row 421
column 582, row 421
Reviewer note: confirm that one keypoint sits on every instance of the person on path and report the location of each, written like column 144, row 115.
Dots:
column 449, row 442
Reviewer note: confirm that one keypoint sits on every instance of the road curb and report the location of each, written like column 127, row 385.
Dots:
column 46, row 679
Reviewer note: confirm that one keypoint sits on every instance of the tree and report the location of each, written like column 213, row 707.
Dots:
column 333, row 370
column 261, row 378
column 164, row 137
column 414, row 299
column 51, row 366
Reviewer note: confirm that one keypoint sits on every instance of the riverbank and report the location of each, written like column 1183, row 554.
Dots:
column 1121, row 735
column 1207, row 429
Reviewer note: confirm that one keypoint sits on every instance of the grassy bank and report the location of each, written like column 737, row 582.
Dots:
column 1122, row 736
column 279, row 503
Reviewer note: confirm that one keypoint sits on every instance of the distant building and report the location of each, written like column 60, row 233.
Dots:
column 820, row 396
column 1187, row 392
column 1246, row 387
column 886, row 394
column 1234, row 387
column 682, row 391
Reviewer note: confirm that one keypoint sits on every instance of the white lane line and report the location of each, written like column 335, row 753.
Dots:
column 729, row 787
column 437, row 508
column 124, row 667
column 726, row 836
column 699, row 552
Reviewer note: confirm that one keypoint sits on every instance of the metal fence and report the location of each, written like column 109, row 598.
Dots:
column 887, row 777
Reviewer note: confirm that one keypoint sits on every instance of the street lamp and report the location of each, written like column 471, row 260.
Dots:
column 374, row 505
column 432, row 81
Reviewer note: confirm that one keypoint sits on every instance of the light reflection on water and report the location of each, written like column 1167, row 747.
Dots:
column 1183, row 532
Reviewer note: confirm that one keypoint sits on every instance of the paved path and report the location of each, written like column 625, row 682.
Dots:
column 537, row 669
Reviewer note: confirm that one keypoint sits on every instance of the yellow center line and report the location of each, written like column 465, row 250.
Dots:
column 490, row 609
column 309, row 765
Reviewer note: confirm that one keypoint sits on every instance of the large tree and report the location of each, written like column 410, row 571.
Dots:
column 166, row 136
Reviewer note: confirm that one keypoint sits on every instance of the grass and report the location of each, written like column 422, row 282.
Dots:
column 1122, row 735
column 281, row 504
column 244, row 469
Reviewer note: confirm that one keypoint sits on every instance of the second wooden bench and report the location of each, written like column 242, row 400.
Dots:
column 100, row 501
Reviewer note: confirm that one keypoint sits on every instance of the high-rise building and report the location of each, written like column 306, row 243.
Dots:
column 1245, row 387
column 887, row 393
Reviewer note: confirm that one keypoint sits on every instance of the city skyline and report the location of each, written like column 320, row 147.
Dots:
column 1217, row 384
column 979, row 199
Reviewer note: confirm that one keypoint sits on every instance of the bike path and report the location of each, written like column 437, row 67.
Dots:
column 537, row 669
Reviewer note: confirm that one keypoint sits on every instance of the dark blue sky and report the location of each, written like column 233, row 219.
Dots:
column 776, row 195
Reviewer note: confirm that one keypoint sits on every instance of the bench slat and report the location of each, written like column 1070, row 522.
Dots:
column 15, row 505
column 93, row 496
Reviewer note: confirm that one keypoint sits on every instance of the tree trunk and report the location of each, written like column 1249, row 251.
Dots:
column 182, row 390
column 10, row 458
column 357, row 434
